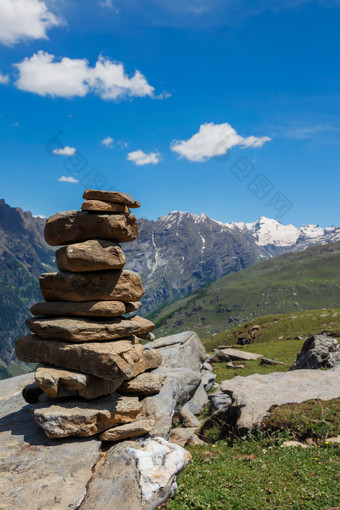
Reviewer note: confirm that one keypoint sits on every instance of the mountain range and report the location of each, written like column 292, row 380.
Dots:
column 175, row 255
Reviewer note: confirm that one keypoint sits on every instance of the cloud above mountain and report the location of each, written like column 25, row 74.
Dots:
column 46, row 75
column 25, row 19
column 214, row 140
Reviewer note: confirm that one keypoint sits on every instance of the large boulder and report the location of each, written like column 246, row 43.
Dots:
column 318, row 351
column 254, row 395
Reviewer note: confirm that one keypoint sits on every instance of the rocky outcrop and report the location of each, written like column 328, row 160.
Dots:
column 41, row 473
column 318, row 351
column 254, row 395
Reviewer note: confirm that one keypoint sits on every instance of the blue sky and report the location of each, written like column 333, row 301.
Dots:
column 230, row 107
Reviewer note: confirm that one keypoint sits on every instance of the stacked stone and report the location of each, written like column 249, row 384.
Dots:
column 93, row 368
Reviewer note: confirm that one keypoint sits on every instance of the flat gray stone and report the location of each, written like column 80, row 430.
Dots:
column 255, row 394
column 199, row 401
column 37, row 472
column 238, row 355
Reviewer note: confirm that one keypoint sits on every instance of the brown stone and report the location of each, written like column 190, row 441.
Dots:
column 92, row 286
column 84, row 309
column 109, row 360
column 82, row 330
column 104, row 206
column 145, row 326
column 60, row 382
column 64, row 418
column 111, row 196
column 183, row 436
column 93, row 255
column 147, row 383
column 132, row 429
column 75, row 226
column 132, row 307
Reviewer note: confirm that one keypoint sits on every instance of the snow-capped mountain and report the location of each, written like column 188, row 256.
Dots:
column 181, row 252
column 268, row 232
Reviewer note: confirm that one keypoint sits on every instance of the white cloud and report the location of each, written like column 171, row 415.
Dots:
column 46, row 76
column 107, row 142
column 214, row 140
column 67, row 179
column 65, row 151
column 25, row 19
column 15, row 124
column 4, row 79
column 140, row 158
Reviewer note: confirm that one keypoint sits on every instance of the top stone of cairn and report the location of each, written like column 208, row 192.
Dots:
column 111, row 196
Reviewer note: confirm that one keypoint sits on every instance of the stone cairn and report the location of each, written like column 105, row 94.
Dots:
column 93, row 370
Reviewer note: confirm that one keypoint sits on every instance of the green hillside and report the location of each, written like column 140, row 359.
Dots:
column 289, row 283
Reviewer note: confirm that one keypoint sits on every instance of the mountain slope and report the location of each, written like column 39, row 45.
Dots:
column 295, row 281
column 23, row 256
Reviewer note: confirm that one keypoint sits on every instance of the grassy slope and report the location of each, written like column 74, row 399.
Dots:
column 254, row 472
column 291, row 282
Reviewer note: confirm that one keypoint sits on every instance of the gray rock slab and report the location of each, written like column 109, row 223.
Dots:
column 179, row 386
column 136, row 476
column 199, row 401
column 255, row 394
column 208, row 379
column 182, row 350
column 238, row 355
column 37, row 472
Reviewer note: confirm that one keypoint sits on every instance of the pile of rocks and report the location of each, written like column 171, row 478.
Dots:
column 93, row 368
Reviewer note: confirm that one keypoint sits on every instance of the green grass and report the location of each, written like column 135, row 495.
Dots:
column 316, row 419
column 289, row 283
column 284, row 350
column 259, row 475
column 274, row 328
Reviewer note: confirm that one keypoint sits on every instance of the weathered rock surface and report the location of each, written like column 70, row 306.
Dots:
column 59, row 382
column 208, row 379
column 219, row 401
column 238, row 355
column 127, row 431
column 92, row 286
column 70, row 417
column 268, row 361
column 179, row 386
column 109, row 360
column 254, row 395
column 188, row 418
column 82, row 330
column 199, row 401
column 148, row 383
column 218, row 356
column 102, row 206
column 37, row 472
column 184, row 436
column 318, row 351
column 145, row 326
column 111, row 196
column 83, row 309
column 76, row 226
column 181, row 350
column 136, row 475
column 93, row 255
